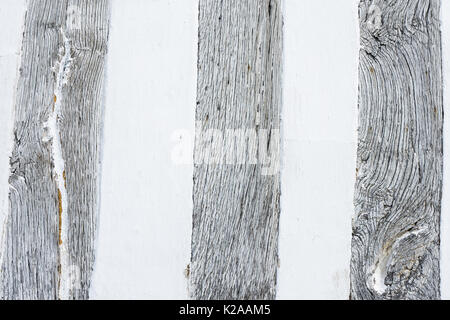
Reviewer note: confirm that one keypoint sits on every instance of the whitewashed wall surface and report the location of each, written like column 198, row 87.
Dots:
column 224, row 149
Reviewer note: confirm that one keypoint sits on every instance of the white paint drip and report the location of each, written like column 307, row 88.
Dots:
column 51, row 128
column 379, row 273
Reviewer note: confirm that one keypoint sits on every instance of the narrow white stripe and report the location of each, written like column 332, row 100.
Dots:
column 445, row 214
column 53, row 135
column 146, row 198
column 319, row 148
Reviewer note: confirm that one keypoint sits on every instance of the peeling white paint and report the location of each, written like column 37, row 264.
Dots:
column 52, row 134
column 379, row 275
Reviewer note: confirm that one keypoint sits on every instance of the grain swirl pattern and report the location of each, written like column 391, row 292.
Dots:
column 395, row 242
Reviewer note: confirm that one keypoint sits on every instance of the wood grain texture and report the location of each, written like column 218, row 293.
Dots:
column 395, row 243
column 50, row 232
column 236, row 205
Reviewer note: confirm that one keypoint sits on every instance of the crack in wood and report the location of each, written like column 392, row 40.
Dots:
column 55, row 162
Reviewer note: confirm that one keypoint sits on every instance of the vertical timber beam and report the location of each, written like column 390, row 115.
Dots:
column 48, row 247
column 236, row 200
column 395, row 242
column 81, row 129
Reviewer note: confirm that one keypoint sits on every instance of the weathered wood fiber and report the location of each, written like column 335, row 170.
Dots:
column 395, row 244
column 50, row 232
column 236, row 203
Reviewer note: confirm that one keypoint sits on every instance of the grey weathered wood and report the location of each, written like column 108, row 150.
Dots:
column 236, row 203
column 395, row 244
column 50, row 232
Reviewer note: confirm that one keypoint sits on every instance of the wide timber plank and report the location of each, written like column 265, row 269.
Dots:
column 50, row 232
column 395, row 243
column 236, row 200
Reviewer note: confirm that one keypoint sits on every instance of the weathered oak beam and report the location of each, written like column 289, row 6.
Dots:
column 236, row 186
column 395, row 244
column 50, row 232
